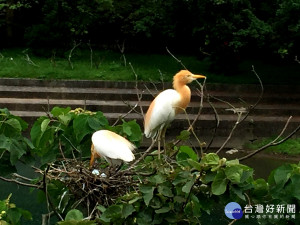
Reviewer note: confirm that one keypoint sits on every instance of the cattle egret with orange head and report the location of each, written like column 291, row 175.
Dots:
column 112, row 147
column 167, row 104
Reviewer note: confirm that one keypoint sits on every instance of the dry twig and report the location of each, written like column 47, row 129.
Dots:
column 275, row 141
column 71, row 53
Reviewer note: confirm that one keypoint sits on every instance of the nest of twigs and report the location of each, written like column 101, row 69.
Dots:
column 94, row 189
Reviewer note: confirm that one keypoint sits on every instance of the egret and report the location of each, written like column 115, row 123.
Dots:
column 167, row 105
column 112, row 147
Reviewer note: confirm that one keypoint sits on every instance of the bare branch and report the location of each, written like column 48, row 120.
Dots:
column 29, row 61
column 139, row 93
column 201, row 94
column 232, row 130
column 132, row 108
column 91, row 53
column 259, row 97
column 296, row 59
column 71, row 53
column 20, row 183
column 217, row 119
column 274, row 142
column 178, row 60
column 162, row 79
column 191, row 128
column 122, row 50
column 203, row 52
column 240, row 111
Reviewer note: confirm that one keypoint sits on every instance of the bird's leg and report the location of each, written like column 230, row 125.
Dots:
column 158, row 142
column 92, row 156
column 163, row 134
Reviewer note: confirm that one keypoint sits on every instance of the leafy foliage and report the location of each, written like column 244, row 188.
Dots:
column 181, row 187
column 10, row 214
column 13, row 145
column 220, row 28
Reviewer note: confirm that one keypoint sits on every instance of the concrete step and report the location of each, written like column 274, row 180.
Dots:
column 244, row 88
column 131, row 94
column 18, row 104
column 114, row 106
column 32, row 98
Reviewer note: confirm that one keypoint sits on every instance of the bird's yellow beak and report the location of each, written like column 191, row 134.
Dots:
column 195, row 76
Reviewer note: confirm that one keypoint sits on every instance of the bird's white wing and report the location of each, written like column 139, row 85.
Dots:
column 111, row 145
column 161, row 112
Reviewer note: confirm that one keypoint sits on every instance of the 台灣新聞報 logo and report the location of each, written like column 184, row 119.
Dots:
column 233, row 210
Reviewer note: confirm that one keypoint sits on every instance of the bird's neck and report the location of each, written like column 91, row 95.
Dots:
column 185, row 95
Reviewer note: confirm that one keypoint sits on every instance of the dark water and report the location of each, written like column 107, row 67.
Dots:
column 26, row 198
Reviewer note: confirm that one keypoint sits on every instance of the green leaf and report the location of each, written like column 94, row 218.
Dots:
column 132, row 131
column 261, row 188
column 17, row 150
column 184, row 135
column 111, row 213
column 14, row 123
column 127, row 210
column 294, row 188
column 144, row 217
column 147, row 193
column 65, row 119
column 195, row 164
column 127, row 129
column 56, row 111
column 26, row 214
column 193, row 207
column 14, row 215
column 234, row 173
column 94, row 123
column 44, row 125
column 81, row 126
column 101, row 118
column 134, row 200
column 232, row 162
column 165, row 191
column 4, row 142
column 163, row 210
column 282, row 174
column 101, row 208
column 247, row 175
column 36, row 132
column 74, row 214
column 238, row 192
column 158, row 179
column 219, row 184
column 189, row 151
column 182, row 177
column 156, row 202
column 179, row 199
column 187, row 187
column 210, row 159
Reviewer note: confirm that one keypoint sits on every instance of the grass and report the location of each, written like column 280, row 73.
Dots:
column 290, row 147
column 109, row 65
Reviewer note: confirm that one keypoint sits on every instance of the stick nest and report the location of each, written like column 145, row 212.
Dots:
column 93, row 189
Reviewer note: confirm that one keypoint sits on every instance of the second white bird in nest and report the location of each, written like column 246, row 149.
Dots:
column 112, row 147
